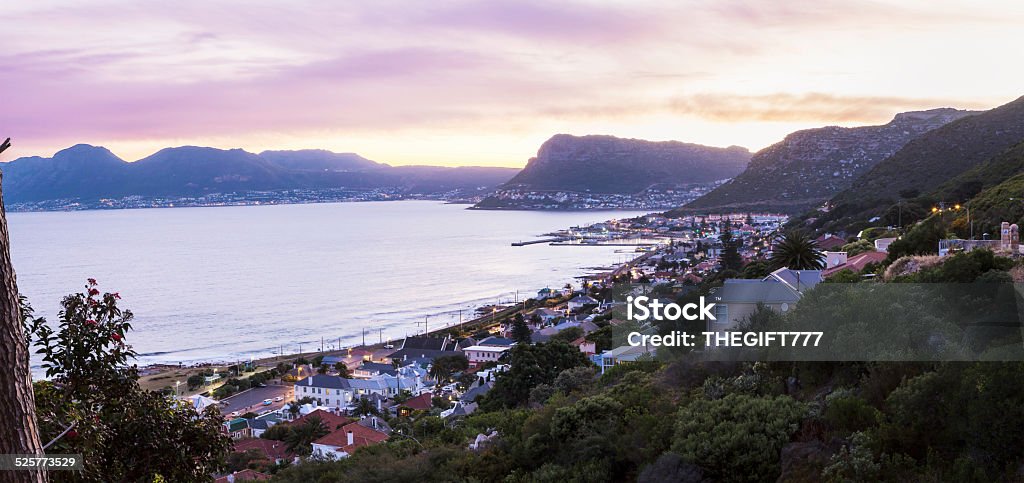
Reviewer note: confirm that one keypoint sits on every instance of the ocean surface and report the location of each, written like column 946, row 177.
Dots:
column 229, row 283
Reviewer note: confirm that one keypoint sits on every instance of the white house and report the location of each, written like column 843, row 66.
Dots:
column 344, row 441
column 580, row 301
column 834, row 259
column 482, row 354
column 882, row 244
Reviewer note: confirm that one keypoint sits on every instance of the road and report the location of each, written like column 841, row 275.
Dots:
column 252, row 400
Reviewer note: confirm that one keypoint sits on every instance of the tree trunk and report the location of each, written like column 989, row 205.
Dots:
column 19, row 433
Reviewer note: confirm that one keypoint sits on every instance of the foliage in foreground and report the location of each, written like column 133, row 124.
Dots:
column 93, row 405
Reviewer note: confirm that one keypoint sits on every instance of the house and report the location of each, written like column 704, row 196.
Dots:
column 580, row 302
column 423, row 402
column 459, row 409
column 497, row 341
column 258, row 426
column 428, row 343
column 325, row 389
column 547, row 292
column 833, row 259
column 368, row 369
column 200, row 402
column 829, row 241
column 424, row 356
column 619, row 355
column 738, row 298
column 855, row 263
column 479, row 355
column 333, row 359
column 244, row 475
column 330, row 420
column 237, row 428
column 882, row 244
column 546, row 315
column 476, row 392
column 585, row 346
column 345, row 441
column 273, row 450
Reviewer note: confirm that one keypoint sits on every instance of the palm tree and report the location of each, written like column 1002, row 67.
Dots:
column 798, row 251
column 365, row 406
column 301, row 437
column 293, row 409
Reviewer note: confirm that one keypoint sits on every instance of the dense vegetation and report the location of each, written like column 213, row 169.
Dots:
column 92, row 403
column 925, row 165
column 810, row 166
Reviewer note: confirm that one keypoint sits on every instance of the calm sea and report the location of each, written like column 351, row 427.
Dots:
column 216, row 284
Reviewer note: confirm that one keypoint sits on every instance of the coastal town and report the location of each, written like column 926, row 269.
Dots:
column 243, row 198
column 344, row 400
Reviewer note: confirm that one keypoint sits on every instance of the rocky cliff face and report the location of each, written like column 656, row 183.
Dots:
column 607, row 164
column 808, row 167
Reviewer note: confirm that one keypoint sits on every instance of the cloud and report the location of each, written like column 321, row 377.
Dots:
column 168, row 73
column 824, row 107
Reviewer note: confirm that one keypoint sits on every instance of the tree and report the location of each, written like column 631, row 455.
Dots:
column 443, row 367
column 93, row 405
column 365, row 407
column 530, row 366
column 731, row 259
column 19, row 433
column 300, row 439
column 568, row 334
column 797, row 251
column 194, row 381
column 342, row 370
column 738, row 437
column 520, row 331
column 293, row 409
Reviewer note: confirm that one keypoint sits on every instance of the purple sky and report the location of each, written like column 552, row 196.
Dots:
column 485, row 83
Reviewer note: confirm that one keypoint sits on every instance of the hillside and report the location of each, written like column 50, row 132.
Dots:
column 87, row 172
column 810, row 166
column 985, row 175
column 606, row 164
column 924, row 165
column 320, row 160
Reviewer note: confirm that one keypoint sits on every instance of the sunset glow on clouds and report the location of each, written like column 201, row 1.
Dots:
column 485, row 83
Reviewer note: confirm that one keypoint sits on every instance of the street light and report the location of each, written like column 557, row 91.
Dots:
column 176, row 384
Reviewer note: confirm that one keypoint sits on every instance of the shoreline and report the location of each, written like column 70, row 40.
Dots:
column 160, row 371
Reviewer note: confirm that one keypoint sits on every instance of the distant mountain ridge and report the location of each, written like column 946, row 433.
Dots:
column 810, row 166
column 946, row 161
column 608, row 164
column 91, row 172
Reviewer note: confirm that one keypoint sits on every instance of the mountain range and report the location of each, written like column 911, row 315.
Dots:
column 90, row 172
column 810, row 166
column 950, row 164
column 607, row 164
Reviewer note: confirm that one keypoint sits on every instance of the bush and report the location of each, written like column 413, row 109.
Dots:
column 738, row 437
column 850, row 413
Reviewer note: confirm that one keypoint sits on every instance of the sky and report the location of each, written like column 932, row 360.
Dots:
column 485, row 83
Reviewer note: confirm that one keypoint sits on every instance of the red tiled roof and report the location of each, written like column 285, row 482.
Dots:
column 275, row 450
column 830, row 242
column 361, row 436
column 421, row 402
column 856, row 263
column 331, row 421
